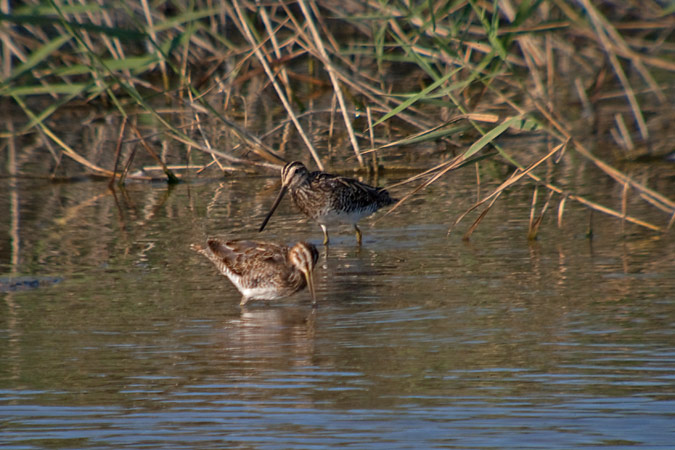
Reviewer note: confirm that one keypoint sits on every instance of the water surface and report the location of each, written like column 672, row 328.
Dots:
column 420, row 340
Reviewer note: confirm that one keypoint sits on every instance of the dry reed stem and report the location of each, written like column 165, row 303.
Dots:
column 169, row 166
column 64, row 147
column 354, row 81
column 523, row 172
column 459, row 161
column 532, row 53
column 587, row 106
column 208, row 146
column 590, row 204
column 257, row 145
column 478, row 181
column 127, row 166
column 561, row 210
column 616, row 65
column 650, row 195
column 153, row 36
column 550, row 71
column 7, row 44
column 118, row 149
column 533, row 207
column 14, row 234
column 333, row 78
column 171, row 178
column 478, row 220
column 116, row 44
column 536, row 224
column 283, row 74
column 624, row 206
column 625, row 134
column 476, row 117
column 370, row 92
column 598, row 207
column 198, row 123
column 371, row 135
column 618, row 45
column 184, row 76
column 348, row 63
column 263, row 61
column 438, row 30
column 422, row 174
column 225, row 156
column 517, row 175
column 331, row 125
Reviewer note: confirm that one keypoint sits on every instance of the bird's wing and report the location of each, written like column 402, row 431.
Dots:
column 240, row 255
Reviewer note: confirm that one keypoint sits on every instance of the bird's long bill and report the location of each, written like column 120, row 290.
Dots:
column 274, row 207
column 310, row 284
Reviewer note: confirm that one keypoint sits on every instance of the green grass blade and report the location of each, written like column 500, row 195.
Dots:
column 41, row 89
column 38, row 56
column 186, row 17
column 434, row 135
column 121, row 33
column 490, row 30
column 492, row 135
column 52, row 107
column 133, row 63
column 46, row 10
column 417, row 97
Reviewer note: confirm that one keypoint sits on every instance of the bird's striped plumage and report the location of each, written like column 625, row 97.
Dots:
column 329, row 199
column 263, row 270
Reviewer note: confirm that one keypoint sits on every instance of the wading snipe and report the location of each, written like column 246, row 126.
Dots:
column 263, row 270
column 329, row 199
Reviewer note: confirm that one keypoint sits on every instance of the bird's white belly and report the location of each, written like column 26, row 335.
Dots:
column 332, row 216
column 261, row 293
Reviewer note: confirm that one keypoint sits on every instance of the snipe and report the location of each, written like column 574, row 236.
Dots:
column 329, row 199
column 263, row 270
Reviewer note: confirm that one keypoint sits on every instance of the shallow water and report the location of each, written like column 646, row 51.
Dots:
column 420, row 340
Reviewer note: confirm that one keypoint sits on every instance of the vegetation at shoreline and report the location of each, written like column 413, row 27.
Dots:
column 368, row 85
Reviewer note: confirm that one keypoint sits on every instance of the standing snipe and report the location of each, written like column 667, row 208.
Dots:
column 263, row 270
column 329, row 198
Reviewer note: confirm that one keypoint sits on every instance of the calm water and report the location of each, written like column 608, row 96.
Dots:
column 127, row 339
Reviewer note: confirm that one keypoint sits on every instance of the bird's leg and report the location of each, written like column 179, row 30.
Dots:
column 358, row 234
column 325, row 234
column 243, row 301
